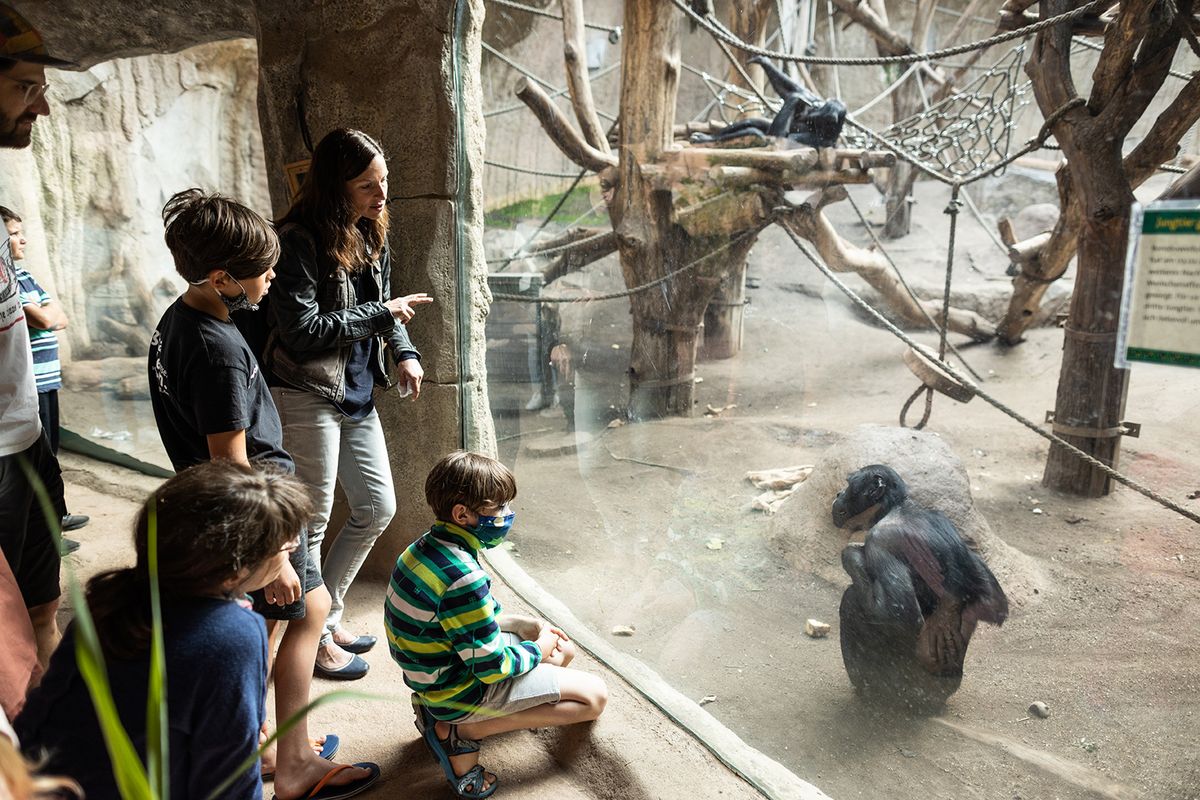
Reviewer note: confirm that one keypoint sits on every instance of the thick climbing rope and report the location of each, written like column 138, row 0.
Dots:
column 549, row 251
column 600, row 73
column 518, row 298
column 862, row 218
column 932, row 55
column 551, row 87
column 997, row 404
column 528, row 171
column 539, row 12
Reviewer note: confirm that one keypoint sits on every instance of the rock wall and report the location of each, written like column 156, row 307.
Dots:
column 122, row 137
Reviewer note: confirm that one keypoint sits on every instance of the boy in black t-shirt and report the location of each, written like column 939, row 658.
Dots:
column 211, row 401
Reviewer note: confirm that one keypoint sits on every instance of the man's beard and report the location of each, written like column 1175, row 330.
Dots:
column 14, row 133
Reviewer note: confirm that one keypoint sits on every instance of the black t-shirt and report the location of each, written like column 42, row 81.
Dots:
column 360, row 380
column 204, row 379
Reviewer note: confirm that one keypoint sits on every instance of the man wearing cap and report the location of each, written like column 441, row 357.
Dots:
column 25, row 538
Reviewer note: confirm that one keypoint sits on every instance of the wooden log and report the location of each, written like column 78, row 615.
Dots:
column 578, row 257
column 1156, row 147
column 809, row 222
column 560, row 130
column 575, row 54
column 725, row 316
column 1028, row 250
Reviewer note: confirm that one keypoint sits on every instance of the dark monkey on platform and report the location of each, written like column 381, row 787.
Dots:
column 916, row 593
column 804, row 117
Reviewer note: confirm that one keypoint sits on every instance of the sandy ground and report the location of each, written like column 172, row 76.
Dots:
column 620, row 532
column 631, row 753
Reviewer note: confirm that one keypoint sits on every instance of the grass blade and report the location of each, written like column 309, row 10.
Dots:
column 128, row 771
column 287, row 725
column 158, row 755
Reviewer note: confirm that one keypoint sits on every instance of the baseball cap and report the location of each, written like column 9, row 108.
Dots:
column 20, row 41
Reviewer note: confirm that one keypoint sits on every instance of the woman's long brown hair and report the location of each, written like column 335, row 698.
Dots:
column 324, row 208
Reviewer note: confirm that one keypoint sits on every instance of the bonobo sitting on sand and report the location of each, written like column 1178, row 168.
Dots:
column 818, row 123
column 916, row 593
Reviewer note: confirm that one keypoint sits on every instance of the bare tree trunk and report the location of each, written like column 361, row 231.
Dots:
column 906, row 101
column 663, row 357
column 724, row 319
column 1137, row 55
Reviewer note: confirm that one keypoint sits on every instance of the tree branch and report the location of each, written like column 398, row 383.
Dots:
column 891, row 43
column 1115, row 64
column 576, row 258
column 809, row 222
column 560, row 130
column 1156, row 50
column 575, row 54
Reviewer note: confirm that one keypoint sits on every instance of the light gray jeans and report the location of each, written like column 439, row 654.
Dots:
column 329, row 448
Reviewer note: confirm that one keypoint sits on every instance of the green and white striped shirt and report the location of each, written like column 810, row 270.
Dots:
column 440, row 617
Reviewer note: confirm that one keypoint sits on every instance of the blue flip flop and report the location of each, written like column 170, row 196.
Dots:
column 453, row 745
column 322, row 791
column 329, row 749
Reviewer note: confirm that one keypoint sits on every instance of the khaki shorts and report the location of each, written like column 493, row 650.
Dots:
column 535, row 688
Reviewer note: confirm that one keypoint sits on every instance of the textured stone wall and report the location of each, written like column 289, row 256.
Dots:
column 122, row 137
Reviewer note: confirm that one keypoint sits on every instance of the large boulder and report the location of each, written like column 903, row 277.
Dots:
column 803, row 530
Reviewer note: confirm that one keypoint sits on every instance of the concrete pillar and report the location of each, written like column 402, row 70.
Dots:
column 389, row 69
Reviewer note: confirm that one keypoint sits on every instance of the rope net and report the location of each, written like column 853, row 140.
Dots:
column 963, row 136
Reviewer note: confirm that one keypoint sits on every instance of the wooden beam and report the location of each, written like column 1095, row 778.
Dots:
column 580, row 87
column 560, row 130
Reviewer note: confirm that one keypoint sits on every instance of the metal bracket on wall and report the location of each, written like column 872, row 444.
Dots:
column 1131, row 429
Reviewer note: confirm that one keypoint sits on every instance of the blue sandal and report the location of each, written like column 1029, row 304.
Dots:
column 468, row 785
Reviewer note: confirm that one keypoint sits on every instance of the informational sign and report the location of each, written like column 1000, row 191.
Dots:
column 1160, row 313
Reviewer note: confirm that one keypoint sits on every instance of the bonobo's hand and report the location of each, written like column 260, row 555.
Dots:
column 402, row 307
column 854, row 563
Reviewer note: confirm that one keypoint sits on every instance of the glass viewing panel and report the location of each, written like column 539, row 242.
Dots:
column 646, row 526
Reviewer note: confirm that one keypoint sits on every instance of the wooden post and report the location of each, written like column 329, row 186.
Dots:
column 663, row 357
column 724, row 319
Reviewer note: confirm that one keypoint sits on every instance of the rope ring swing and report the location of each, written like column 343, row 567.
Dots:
column 934, row 375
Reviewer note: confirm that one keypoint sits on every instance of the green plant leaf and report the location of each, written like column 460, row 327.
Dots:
column 287, row 725
column 128, row 771
column 158, row 751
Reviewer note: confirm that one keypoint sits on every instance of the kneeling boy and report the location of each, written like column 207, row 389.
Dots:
column 474, row 672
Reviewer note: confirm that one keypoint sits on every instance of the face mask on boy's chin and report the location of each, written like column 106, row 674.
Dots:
column 239, row 303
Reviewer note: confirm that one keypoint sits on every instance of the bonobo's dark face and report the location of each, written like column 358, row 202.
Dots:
column 869, row 494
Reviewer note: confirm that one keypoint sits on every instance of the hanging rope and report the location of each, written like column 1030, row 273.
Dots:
column 1058, row 440
column 862, row 218
column 908, row 58
column 520, row 298
column 538, row 12
column 527, row 171
column 549, row 250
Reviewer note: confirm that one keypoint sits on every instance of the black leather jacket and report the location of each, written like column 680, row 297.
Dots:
column 315, row 317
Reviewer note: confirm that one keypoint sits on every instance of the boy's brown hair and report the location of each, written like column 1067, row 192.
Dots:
column 472, row 479
column 208, row 231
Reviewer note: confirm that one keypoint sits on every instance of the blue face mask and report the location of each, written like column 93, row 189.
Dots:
column 491, row 531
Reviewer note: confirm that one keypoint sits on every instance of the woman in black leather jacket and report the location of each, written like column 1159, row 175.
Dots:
column 336, row 328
